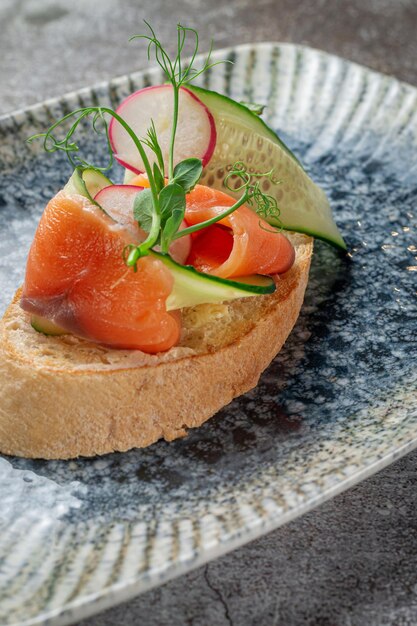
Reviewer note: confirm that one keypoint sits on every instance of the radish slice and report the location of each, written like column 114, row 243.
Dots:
column 196, row 130
column 117, row 201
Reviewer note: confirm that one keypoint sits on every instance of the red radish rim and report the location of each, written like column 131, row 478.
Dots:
column 137, row 187
column 213, row 131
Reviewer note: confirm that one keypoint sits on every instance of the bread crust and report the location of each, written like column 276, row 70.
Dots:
column 58, row 410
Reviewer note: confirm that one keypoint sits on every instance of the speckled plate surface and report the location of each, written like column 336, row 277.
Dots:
column 337, row 404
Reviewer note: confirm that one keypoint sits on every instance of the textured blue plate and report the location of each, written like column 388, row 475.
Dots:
column 337, row 404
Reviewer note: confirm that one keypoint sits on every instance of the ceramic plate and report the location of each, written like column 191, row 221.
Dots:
column 336, row 405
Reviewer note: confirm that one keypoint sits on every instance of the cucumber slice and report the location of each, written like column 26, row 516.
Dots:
column 244, row 136
column 87, row 182
column 192, row 287
column 94, row 181
column 46, row 327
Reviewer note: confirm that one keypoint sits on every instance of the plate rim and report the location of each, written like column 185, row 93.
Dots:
column 52, row 100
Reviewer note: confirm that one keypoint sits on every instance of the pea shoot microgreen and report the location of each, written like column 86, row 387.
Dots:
column 160, row 209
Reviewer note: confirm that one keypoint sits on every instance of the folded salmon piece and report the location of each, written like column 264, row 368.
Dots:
column 238, row 245
column 76, row 277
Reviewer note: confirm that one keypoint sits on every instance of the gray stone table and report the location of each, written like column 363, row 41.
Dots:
column 352, row 562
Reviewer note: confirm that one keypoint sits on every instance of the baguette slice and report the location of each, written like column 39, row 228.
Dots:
column 63, row 397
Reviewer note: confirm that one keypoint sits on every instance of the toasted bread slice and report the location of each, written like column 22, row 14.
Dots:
column 63, row 397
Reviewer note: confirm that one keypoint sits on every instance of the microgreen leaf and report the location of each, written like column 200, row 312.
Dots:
column 172, row 204
column 187, row 173
column 170, row 228
column 143, row 209
column 171, row 198
column 258, row 109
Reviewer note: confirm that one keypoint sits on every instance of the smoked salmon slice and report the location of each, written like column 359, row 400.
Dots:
column 76, row 278
column 238, row 245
